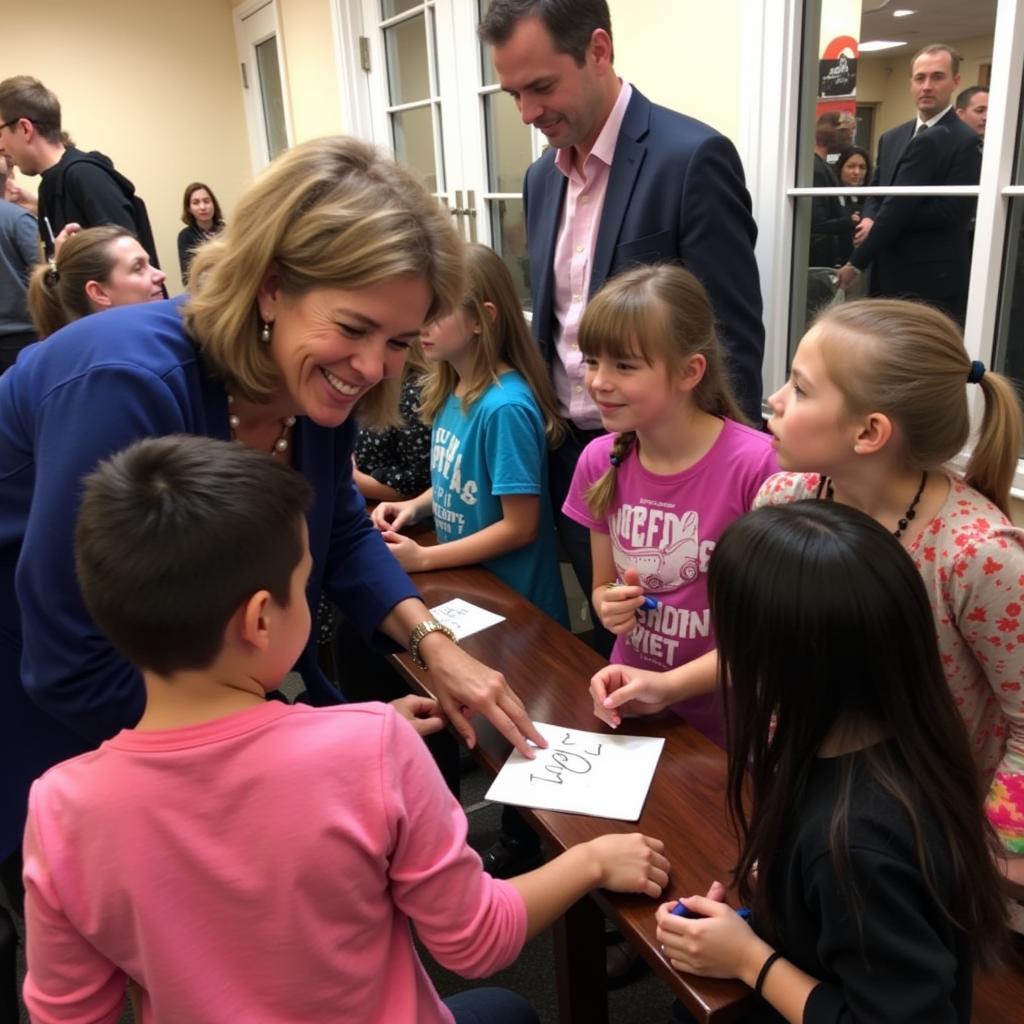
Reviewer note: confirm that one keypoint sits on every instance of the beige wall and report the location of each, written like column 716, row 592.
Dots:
column 313, row 81
column 684, row 60
column 886, row 81
column 155, row 88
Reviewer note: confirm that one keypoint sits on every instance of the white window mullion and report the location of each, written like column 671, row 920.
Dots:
column 767, row 147
column 996, row 175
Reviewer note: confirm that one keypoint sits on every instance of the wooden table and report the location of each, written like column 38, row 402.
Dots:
column 550, row 668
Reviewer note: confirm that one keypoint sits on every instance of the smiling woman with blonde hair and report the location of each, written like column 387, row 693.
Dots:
column 298, row 321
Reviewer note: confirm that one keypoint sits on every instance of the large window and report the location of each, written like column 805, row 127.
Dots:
column 818, row 59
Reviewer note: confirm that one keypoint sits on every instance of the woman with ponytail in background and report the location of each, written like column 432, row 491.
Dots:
column 94, row 270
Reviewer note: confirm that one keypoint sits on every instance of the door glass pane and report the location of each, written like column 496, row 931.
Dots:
column 857, row 60
column 858, row 100
column 487, row 75
column 1010, row 350
column 413, row 132
column 508, row 143
column 1008, row 357
column 508, row 239
column 408, row 73
column 823, row 241
column 273, row 101
column 389, row 8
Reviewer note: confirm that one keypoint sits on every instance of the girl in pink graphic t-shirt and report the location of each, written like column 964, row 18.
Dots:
column 678, row 466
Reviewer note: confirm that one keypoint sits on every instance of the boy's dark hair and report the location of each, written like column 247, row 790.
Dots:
column 174, row 534
column 821, row 618
column 570, row 22
column 25, row 97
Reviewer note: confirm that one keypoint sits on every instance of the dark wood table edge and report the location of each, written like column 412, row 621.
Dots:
column 579, row 934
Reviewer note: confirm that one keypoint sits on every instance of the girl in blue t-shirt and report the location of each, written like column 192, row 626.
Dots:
column 493, row 415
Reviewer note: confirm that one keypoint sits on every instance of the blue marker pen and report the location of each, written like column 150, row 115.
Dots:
column 649, row 602
column 680, row 910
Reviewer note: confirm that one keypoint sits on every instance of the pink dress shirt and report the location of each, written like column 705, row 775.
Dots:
column 574, row 259
column 269, row 866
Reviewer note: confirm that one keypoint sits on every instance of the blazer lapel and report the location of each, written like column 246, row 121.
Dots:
column 630, row 151
column 549, row 216
column 903, row 140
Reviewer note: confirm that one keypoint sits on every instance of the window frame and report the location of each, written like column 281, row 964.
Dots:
column 772, row 49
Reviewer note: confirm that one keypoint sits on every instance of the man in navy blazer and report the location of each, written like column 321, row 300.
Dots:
column 675, row 193
column 669, row 188
column 917, row 246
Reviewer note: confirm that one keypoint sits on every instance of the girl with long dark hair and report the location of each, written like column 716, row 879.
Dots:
column 865, row 855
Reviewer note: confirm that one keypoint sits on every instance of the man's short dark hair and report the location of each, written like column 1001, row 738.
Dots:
column 175, row 534
column 25, row 97
column 954, row 57
column 964, row 99
column 571, row 23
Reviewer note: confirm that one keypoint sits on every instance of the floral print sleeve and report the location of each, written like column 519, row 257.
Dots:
column 785, row 488
column 399, row 457
column 976, row 556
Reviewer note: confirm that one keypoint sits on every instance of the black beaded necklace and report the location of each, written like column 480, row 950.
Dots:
column 905, row 520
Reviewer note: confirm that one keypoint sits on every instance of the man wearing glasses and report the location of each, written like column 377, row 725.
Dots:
column 76, row 187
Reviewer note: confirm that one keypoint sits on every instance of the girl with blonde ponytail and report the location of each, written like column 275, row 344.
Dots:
column 874, row 410
column 678, row 466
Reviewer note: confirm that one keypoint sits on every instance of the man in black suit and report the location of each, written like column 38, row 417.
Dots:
column 919, row 246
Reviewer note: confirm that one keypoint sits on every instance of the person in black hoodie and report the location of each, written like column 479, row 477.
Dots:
column 77, row 187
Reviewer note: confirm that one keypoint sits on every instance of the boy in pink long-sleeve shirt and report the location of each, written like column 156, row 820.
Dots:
column 239, row 859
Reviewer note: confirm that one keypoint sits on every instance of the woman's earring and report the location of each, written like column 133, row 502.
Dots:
column 265, row 332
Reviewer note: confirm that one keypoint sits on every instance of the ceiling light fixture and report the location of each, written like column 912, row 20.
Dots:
column 874, row 45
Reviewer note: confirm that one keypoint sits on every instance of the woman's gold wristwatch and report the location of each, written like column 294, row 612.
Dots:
column 421, row 630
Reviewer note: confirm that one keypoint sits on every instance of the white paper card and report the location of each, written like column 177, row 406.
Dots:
column 464, row 619
column 604, row 775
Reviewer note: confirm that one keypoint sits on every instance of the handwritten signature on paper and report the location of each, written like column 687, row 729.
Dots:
column 562, row 761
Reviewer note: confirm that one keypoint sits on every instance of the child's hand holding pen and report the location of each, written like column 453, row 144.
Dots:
column 617, row 603
column 706, row 936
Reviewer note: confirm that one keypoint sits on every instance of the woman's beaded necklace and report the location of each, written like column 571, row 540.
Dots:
column 283, row 442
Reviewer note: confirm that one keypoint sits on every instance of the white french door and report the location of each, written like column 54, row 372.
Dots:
column 432, row 99
column 263, row 81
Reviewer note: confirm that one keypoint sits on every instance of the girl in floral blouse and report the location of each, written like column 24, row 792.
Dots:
column 876, row 406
